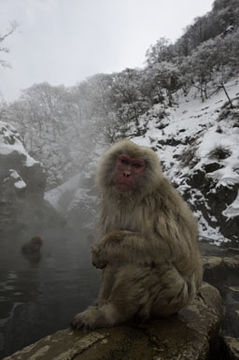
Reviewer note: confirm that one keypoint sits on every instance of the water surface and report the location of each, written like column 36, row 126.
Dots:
column 41, row 295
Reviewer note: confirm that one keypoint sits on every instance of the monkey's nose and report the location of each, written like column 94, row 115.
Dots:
column 127, row 173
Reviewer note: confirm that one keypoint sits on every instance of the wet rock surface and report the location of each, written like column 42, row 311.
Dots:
column 221, row 268
column 232, row 348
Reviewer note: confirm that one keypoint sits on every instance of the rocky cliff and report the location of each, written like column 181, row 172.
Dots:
column 22, row 184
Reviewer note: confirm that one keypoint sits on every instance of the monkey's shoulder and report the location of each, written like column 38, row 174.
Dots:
column 164, row 195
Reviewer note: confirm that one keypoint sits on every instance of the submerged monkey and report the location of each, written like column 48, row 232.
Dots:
column 31, row 250
column 148, row 251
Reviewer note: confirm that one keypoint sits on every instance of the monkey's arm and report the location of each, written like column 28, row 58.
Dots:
column 122, row 247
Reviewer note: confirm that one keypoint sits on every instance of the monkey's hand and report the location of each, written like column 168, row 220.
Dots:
column 121, row 247
column 97, row 256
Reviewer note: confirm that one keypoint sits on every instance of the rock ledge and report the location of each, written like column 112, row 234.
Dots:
column 185, row 336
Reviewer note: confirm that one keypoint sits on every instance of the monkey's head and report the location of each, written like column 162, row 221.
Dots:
column 33, row 246
column 36, row 243
column 127, row 168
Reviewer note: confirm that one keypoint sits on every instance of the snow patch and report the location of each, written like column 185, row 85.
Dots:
column 233, row 209
column 19, row 183
column 10, row 142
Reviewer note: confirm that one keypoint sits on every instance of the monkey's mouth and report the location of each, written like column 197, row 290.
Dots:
column 123, row 186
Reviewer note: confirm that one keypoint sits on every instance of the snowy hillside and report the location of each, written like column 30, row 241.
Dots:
column 198, row 144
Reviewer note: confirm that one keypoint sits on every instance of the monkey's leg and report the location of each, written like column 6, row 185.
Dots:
column 107, row 282
column 172, row 293
column 127, row 297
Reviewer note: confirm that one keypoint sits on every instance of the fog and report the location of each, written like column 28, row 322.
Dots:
column 41, row 292
column 64, row 42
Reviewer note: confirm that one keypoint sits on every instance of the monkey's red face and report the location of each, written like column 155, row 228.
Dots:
column 127, row 171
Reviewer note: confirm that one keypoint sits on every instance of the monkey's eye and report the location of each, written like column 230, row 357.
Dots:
column 124, row 161
column 136, row 165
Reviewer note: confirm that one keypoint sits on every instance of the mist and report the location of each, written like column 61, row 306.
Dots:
column 64, row 42
column 81, row 76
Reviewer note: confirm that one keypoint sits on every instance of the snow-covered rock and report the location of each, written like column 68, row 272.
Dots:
column 76, row 201
column 21, row 178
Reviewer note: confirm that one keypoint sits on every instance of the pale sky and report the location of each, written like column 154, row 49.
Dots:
column 65, row 41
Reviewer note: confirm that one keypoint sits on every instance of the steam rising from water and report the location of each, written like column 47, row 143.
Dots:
column 39, row 297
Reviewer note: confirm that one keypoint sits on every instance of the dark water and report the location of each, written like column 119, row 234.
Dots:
column 41, row 295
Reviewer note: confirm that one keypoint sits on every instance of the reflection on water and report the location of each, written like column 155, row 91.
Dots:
column 37, row 298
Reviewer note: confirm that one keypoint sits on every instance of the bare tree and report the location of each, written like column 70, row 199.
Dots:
column 3, row 37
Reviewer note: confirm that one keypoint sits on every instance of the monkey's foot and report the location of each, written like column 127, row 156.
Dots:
column 95, row 317
column 91, row 318
column 82, row 321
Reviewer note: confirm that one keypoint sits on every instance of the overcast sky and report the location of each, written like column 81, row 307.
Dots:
column 65, row 41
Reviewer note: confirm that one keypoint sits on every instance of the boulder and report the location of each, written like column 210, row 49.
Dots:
column 22, row 184
column 221, row 268
column 217, row 203
column 232, row 347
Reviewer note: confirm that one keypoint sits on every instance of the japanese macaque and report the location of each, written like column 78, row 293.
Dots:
column 31, row 249
column 148, row 250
